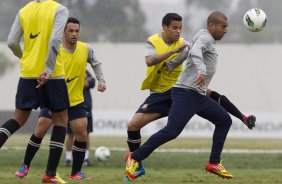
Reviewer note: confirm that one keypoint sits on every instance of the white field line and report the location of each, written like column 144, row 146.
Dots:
column 172, row 150
column 177, row 150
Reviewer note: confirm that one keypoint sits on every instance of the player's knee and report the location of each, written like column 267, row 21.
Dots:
column 60, row 119
column 227, row 120
column 132, row 127
column 80, row 135
column 215, row 96
column 40, row 132
column 172, row 134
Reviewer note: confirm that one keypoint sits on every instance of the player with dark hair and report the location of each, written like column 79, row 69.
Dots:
column 160, row 52
column 75, row 56
column 88, row 84
column 189, row 98
column 41, row 24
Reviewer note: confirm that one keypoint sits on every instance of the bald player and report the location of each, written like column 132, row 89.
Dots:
column 189, row 98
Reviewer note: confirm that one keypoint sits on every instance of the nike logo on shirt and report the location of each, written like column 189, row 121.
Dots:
column 31, row 36
column 69, row 80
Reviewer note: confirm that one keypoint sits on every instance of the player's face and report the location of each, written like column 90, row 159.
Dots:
column 71, row 33
column 219, row 29
column 173, row 31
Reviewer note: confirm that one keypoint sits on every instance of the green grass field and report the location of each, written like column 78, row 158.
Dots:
column 161, row 167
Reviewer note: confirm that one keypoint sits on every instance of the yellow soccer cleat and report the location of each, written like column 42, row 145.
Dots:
column 131, row 167
column 53, row 179
column 219, row 170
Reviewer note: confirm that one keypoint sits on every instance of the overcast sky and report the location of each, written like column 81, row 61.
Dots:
column 156, row 9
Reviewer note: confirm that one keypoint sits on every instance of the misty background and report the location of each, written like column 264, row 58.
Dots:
column 249, row 67
column 135, row 20
column 132, row 21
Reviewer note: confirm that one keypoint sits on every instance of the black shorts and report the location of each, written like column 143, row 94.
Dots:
column 46, row 113
column 75, row 112
column 89, row 125
column 89, row 121
column 52, row 95
column 157, row 103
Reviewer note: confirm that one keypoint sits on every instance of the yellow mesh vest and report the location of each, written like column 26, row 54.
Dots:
column 157, row 77
column 37, row 20
column 75, row 68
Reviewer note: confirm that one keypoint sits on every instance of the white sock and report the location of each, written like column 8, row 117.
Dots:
column 86, row 155
column 68, row 155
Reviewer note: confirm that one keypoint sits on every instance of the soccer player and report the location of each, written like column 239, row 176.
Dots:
column 41, row 24
column 160, row 49
column 189, row 98
column 75, row 55
column 88, row 84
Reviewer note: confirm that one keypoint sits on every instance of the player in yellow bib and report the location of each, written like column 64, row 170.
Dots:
column 160, row 49
column 40, row 23
column 74, row 55
column 89, row 84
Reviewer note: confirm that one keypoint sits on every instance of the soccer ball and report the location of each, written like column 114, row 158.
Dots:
column 102, row 153
column 255, row 19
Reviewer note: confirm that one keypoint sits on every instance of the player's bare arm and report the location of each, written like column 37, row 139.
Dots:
column 156, row 59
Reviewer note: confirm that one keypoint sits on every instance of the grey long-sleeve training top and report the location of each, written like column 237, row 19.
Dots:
column 202, row 59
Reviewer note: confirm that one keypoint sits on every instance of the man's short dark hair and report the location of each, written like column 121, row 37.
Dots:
column 169, row 17
column 73, row 20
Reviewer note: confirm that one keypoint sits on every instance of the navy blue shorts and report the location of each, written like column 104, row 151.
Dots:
column 75, row 112
column 46, row 113
column 89, row 121
column 52, row 95
column 89, row 124
column 157, row 103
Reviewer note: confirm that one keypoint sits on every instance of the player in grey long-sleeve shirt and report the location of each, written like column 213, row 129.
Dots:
column 16, row 33
column 40, row 23
column 201, row 65
column 198, row 63
column 188, row 98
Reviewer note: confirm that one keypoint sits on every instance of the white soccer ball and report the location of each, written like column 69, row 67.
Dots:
column 255, row 19
column 102, row 153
